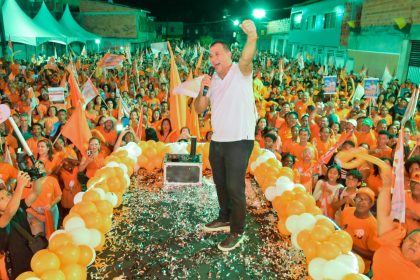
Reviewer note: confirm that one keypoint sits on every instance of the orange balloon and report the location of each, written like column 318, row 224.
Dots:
column 53, row 275
column 142, row 161
column 315, row 210
column 328, row 250
column 281, row 226
column 310, row 249
column 106, row 224
column 91, row 196
column 277, row 204
column 120, row 199
column 84, row 208
column 86, row 255
column 102, row 185
column 287, row 172
column 306, row 199
column 342, row 239
column 352, row 276
column 295, row 208
column 150, row 166
column 303, row 237
column 68, row 254
column 93, row 220
column 320, row 232
column 74, row 272
column 44, row 260
column 60, row 240
column 104, row 206
column 326, row 223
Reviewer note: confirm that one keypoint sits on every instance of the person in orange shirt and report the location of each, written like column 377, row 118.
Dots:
column 381, row 125
column 288, row 160
column 359, row 222
column 412, row 203
column 285, row 130
column 385, row 116
column 48, row 199
column 49, row 120
column 324, row 142
column 301, row 105
column 36, row 136
column 305, row 168
column 166, row 134
column 269, row 140
column 342, row 110
column 8, row 175
column 366, row 135
column 382, row 149
column 298, row 148
column 287, row 146
column 398, row 256
column 260, row 131
column 68, row 180
column 107, row 134
column 91, row 163
column 45, row 154
column 374, row 179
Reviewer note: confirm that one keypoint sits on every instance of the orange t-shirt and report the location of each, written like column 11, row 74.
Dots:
column 368, row 138
column 33, row 145
column 322, row 148
column 48, row 124
column 362, row 231
column 70, row 185
column 297, row 150
column 95, row 165
column 7, row 171
column 50, row 191
column 389, row 262
column 410, row 203
column 172, row 137
column 306, row 175
column 374, row 183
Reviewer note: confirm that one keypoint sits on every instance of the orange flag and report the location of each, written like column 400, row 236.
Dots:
column 177, row 103
column 192, row 119
column 75, row 94
column 125, row 86
column 77, row 129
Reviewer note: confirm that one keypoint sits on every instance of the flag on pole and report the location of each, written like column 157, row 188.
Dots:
column 89, row 91
column 197, row 67
column 128, row 53
column 77, row 129
column 411, row 107
column 84, row 52
column 398, row 194
column 110, row 61
column 177, row 103
column 75, row 94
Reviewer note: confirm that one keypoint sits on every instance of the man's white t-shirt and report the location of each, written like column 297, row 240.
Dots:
column 233, row 111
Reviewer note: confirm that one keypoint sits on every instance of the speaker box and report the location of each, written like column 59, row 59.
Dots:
column 182, row 169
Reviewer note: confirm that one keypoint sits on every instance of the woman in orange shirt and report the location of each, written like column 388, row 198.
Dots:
column 45, row 154
column 91, row 113
column 50, row 119
column 165, row 133
column 94, row 159
column 305, row 168
column 260, row 131
column 398, row 257
column 324, row 142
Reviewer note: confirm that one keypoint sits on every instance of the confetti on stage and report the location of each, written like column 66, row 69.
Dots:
column 157, row 234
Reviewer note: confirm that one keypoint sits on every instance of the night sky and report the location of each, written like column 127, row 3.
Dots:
column 213, row 10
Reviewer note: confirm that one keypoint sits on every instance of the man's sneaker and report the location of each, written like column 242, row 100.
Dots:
column 217, row 225
column 232, row 241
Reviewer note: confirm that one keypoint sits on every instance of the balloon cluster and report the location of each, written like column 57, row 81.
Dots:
column 72, row 249
column 154, row 152
column 327, row 250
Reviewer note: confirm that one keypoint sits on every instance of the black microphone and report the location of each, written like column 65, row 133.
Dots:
column 206, row 88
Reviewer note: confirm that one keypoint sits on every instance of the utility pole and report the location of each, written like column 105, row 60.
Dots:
column 3, row 33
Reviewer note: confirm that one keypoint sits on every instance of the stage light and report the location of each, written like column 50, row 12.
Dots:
column 258, row 13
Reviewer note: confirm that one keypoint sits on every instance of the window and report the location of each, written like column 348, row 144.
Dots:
column 296, row 22
column 329, row 20
column 310, row 22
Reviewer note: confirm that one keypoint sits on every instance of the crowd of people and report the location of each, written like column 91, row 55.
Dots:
column 297, row 121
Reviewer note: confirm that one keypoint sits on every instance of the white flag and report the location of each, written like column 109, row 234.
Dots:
column 386, row 77
column 89, row 91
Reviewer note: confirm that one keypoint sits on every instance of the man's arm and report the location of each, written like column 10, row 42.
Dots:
column 13, row 205
column 245, row 62
column 202, row 102
column 383, row 215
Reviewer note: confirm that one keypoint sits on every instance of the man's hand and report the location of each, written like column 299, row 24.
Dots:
column 249, row 28
column 23, row 179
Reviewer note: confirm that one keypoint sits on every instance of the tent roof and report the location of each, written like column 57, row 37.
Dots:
column 69, row 22
column 45, row 19
column 22, row 29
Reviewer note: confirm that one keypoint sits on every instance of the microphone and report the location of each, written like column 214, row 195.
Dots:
column 206, row 88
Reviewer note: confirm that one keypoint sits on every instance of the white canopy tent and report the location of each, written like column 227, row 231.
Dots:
column 45, row 19
column 70, row 23
column 20, row 28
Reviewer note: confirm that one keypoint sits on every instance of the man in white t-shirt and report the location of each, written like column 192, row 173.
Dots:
column 233, row 118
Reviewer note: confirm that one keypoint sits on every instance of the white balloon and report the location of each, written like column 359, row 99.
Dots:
column 112, row 197
column 316, row 268
column 334, row 269
column 101, row 193
column 57, row 232
column 81, row 236
column 285, row 183
column 95, row 237
column 292, row 223
column 306, row 221
column 350, row 261
column 363, row 276
column 321, row 217
column 270, row 193
column 254, row 165
column 134, row 149
column 78, row 197
column 74, row 223
column 123, row 167
column 294, row 241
